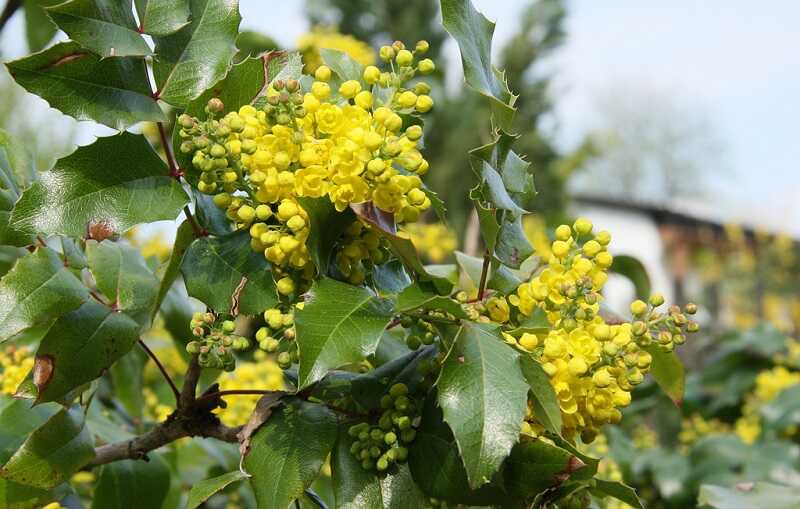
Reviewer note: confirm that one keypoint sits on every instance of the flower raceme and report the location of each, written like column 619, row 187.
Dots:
column 349, row 142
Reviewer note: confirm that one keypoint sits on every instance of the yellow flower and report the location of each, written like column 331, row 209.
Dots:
column 321, row 37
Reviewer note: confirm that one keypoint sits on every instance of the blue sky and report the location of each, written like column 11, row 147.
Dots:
column 735, row 62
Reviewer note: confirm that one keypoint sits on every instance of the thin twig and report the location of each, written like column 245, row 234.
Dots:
column 487, row 259
column 233, row 392
column 163, row 370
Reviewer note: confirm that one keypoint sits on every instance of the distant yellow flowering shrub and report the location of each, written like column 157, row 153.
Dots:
column 15, row 364
column 325, row 37
column 263, row 373
column 434, row 241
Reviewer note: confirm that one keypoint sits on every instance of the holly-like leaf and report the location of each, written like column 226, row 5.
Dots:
column 368, row 388
column 79, row 347
column 419, row 296
column 342, row 64
column 513, row 246
column 633, row 269
column 483, row 396
column 287, row 453
column 534, row 466
column 200, row 54
column 667, row 370
column 219, row 270
column 473, row 32
column 83, row 191
column 326, row 225
column 53, row 452
column 162, row 17
column 203, row 490
column 617, row 490
column 545, row 403
column 516, row 179
column 124, row 278
column 132, row 484
column 36, row 290
column 340, row 324
column 112, row 91
column 106, row 27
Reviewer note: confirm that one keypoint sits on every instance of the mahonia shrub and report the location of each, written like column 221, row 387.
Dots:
column 319, row 360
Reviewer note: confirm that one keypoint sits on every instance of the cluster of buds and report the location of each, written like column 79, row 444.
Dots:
column 420, row 331
column 361, row 249
column 667, row 329
column 380, row 446
column 215, row 341
column 277, row 336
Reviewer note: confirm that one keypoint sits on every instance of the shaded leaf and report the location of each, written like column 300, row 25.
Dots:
column 162, row 17
column 203, row 490
column 36, row 290
column 667, row 370
column 127, row 375
column 473, row 32
column 53, row 452
column 513, row 246
column 634, row 270
column 39, row 28
column 18, row 419
column 545, row 403
column 209, row 216
column 420, row 296
column 500, row 277
column 368, row 388
column 200, row 54
column 326, row 225
column 112, row 91
column 534, row 466
column 132, row 484
column 106, row 27
column 183, row 239
column 353, row 487
column 617, row 490
column 80, row 346
column 81, row 190
column 483, row 397
column 262, row 412
column 340, row 324
column 287, row 454
column 214, row 267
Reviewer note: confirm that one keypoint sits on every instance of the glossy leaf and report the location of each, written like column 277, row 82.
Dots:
column 340, row 324
column 36, row 290
column 618, row 490
column 203, row 490
column 667, row 370
column 80, row 346
column 473, row 32
column 82, row 190
column 534, row 466
column 326, row 225
column 132, row 484
column 500, row 277
column 200, row 54
column 483, row 397
column 209, row 216
column 515, row 189
column 215, row 268
column 162, row 17
column 53, row 452
column 545, row 403
column 419, row 296
column 106, row 27
column 112, row 91
column 18, row 419
column 123, row 276
column 287, row 453
column 634, row 270
column 39, row 28
column 342, row 64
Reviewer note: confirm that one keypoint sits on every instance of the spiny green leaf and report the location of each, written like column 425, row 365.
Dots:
column 326, row 225
column 162, row 17
column 483, row 396
column 473, row 32
column 203, row 490
column 38, row 289
column 667, row 370
column 200, row 54
column 112, row 91
column 53, row 452
column 617, row 490
column 534, row 466
column 516, row 179
column 79, row 347
column 106, row 27
column 124, row 278
column 340, row 324
column 287, row 453
column 545, row 403
column 82, row 190
column 215, row 268
column 132, row 484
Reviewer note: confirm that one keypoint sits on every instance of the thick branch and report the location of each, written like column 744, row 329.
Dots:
column 189, row 390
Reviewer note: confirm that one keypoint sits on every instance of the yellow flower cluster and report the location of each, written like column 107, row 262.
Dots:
column 354, row 143
column 360, row 246
column 769, row 384
column 15, row 364
column 592, row 365
column 696, row 427
column 325, row 37
column 263, row 373
column 434, row 241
